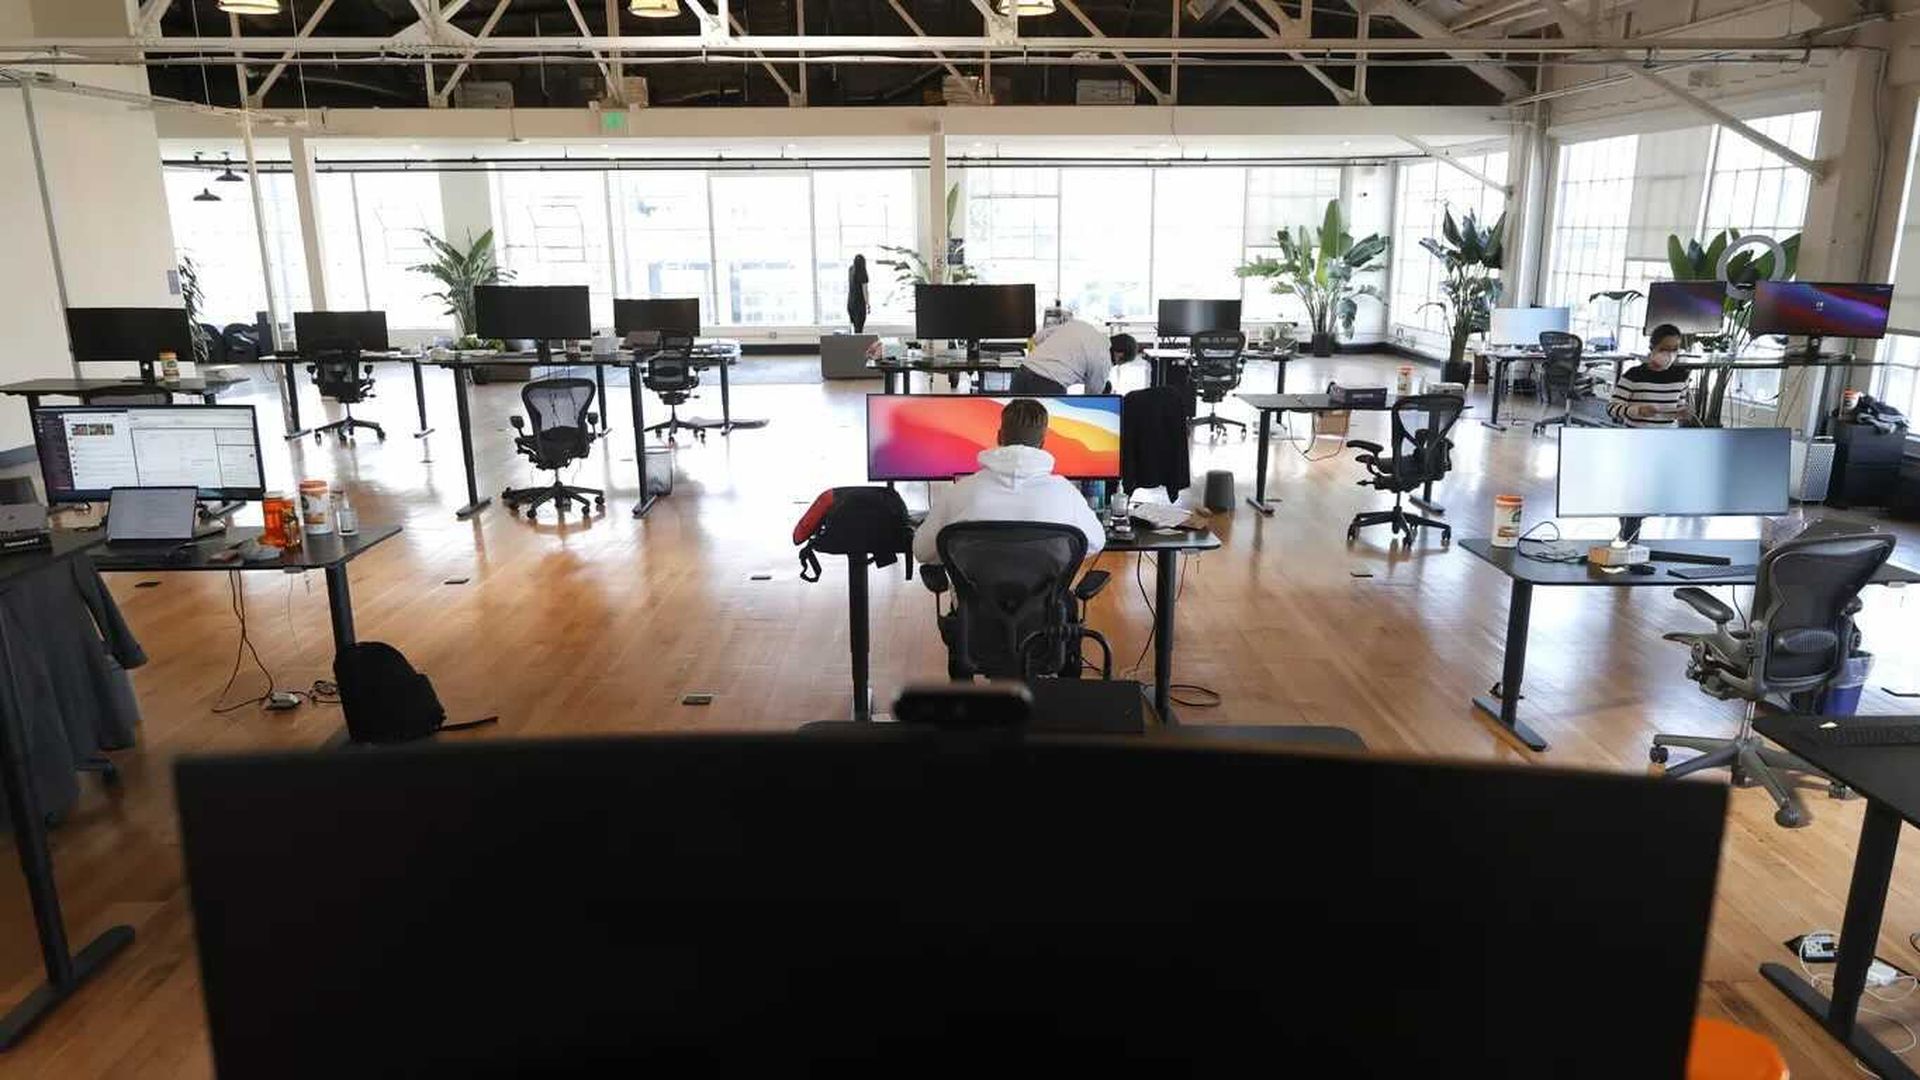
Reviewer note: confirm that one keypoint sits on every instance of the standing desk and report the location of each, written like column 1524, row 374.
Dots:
column 904, row 367
column 289, row 362
column 1268, row 404
column 1502, row 359
column 1889, row 777
column 1502, row 700
column 206, row 389
column 1159, row 359
column 1166, row 548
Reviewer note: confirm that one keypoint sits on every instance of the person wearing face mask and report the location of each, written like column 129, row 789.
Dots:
column 1653, row 394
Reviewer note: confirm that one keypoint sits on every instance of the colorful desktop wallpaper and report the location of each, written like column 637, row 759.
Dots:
column 1821, row 309
column 939, row 436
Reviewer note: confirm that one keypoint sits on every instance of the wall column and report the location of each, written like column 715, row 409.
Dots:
column 302, row 154
column 936, row 254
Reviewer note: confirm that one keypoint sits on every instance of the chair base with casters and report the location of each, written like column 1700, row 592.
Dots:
column 1751, row 762
column 345, row 427
column 560, row 495
column 666, row 428
column 1400, row 519
column 1213, row 421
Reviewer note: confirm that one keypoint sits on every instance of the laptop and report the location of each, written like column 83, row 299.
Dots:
column 151, row 517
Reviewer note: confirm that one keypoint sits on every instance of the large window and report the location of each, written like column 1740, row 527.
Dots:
column 1106, row 225
column 662, row 238
column 1013, row 228
column 1282, row 198
column 1593, row 212
column 220, row 238
column 1198, row 219
column 551, row 229
column 370, row 231
column 1424, row 193
column 763, row 249
column 857, row 212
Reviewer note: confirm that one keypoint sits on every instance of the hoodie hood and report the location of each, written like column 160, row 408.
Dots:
column 1014, row 466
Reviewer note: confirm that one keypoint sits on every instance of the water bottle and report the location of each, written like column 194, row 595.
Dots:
column 346, row 518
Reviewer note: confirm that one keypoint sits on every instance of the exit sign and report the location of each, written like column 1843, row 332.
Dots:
column 613, row 121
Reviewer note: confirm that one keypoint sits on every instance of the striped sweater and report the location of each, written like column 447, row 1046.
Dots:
column 1641, row 385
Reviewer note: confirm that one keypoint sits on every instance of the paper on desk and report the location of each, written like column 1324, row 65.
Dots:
column 1160, row 515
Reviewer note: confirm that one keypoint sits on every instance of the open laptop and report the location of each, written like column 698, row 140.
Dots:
column 161, row 518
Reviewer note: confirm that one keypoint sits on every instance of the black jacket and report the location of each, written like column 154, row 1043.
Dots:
column 1153, row 440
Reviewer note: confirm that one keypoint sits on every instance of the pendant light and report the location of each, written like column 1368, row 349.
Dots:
column 250, row 7
column 206, row 195
column 1021, row 9
column 654, row 9
column 227, row 175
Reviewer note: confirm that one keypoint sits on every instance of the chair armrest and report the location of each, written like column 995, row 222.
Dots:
column 312, row 370
column 368, row 368
column 593, row 419
column 934, row 577
column 1806, row 640
column 1853, row 607
column 517, row 422
column 1364, row 444
column 1090, row 585
column 1705, row 603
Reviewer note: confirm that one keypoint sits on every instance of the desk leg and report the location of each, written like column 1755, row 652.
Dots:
column 340, row 607
column 33, row 402
column 1424, row 500
column 420, row 398
column 1503, row 703
column 727, row 423
column 291, row 389
column 1859, row 933
column 65, row 970
column 636, row 402
column 1494, row 393
column 475, row 503
column 600, row 395
column 1259, row 499
column 1280, row 380
column 857, row 637
column 1166, row 581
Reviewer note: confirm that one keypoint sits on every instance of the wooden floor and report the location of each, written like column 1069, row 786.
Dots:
column 601, row 626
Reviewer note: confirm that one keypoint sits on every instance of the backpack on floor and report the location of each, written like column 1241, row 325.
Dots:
column 854, row 521
column 385, row 700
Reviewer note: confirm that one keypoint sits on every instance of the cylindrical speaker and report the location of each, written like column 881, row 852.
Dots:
column 1219, row 490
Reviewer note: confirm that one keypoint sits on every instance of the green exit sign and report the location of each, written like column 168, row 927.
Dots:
column 613, row 121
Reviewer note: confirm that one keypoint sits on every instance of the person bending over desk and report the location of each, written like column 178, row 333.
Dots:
column 1016, row 482
column 1653, row 394
column 1074, row 353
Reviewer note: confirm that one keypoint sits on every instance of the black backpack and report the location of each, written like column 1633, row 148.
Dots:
column 854, row 521
column 384, row 699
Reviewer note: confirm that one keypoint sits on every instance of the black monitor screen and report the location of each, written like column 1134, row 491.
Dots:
column 1672, row 472
column 1821, row 309
column 363, row 330
column 1185, row 318
column 135, row 334
column 973, row 312
column 539, row 312
column 1693, row 307
column 681, row 315
column 87, row 451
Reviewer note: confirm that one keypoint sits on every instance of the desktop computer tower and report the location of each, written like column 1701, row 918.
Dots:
column 1810, row 468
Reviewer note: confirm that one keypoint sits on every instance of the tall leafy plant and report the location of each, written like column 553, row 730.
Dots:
column 1693, row 261
column 1318, row 266
column 194, row 300
column 910, row 269
column 458, row 272
column 1472, row 255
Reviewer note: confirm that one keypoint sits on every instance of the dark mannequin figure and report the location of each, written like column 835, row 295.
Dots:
column 857, row 294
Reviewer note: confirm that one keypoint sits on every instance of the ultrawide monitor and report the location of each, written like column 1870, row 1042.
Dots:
column 940, row 436
column 973, row 312
column 1672, row 472
column 87, row 451
column 676, row 314
column 540, row 312
column 129, row 334
column 1692, row 307
column 1523, row 326
column 363, row 330
column 1821, row 309
column 1185, row 318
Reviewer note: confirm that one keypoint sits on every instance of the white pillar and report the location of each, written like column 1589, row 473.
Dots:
column 1526, row 240
column 936, row 254
column 302, row 155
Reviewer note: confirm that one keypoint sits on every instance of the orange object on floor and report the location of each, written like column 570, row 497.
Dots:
column 1723, row 1051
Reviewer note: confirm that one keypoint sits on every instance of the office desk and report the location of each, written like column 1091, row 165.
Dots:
column 329, row 553
column 289, row 363
column 904, row 367
column 1159, row 359
column 1503, row 359
column 1268, row 404
column 34, row 389
column 1166, row 549
column 1502, row 701
column 1889, row 777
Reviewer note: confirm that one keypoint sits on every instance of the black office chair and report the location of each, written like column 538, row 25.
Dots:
column 1797, row 637
column 1217, row 359
column 671, row 374
column 1016, row 612
column 341, row 377
column 563, row 432
column 1422, row 454
column 240, row 342
column 1559, row 382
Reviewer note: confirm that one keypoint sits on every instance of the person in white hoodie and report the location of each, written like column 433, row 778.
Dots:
column 1016, row 482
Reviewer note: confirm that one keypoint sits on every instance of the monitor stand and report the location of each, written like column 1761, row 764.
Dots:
column 973, row 350
column 1630, row 534
column 148, row 376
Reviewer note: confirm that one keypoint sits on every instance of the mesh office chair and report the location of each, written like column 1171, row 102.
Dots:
column 1217, row 358
column 563, row 432
column 240, row 342
column 341, row 377
column 1559, row 382
column 1016, row 611
column 670, row 374
column 1796, row 639
column 1422, row 454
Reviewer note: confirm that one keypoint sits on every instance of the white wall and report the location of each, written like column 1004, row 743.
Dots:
column 36, row 335
column 1367, row 199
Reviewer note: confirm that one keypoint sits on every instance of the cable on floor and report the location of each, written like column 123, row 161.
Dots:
column 1209, row 698
column 239, row 601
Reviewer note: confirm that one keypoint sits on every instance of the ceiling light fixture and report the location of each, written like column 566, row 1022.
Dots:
column 227, row 175
column 654, row 9
column 250, row 7
column 1022, row 9
column 206, row 195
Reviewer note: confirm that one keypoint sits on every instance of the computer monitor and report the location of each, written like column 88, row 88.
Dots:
column 362, row 330
column 679, row 314
column 940, row 436
column 543, row 313
column 973, row 313
column 1635, row 473
column 1692, row 307
column 88, row 450
column 130, row 335
column 1523, row 326
column 1185, row 318
column 903, row 898
column 1821, row 309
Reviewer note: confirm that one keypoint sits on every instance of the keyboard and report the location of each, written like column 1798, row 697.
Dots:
column 1708, row 573
column 1849, row 734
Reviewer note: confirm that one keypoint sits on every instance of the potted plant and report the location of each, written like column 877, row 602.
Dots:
column 909, row 269
column 1471, row 253
column 1318, row 266
column 192, row 298
column 458, row 272
column 1693, row 261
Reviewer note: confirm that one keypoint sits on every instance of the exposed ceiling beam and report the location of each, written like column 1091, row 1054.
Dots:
column 306, row 30
column 151, row 12
column 1834, row 11
column 614, row 88
column 901, row 10
column 486, row 30
column 1294, row 29
column 1481, row 14
column 1159, row 96
column 1812, row 167
column 451, row 8
column 1341, row 94
column 1441, row 156
column 740, row 30
column 1425, row 25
